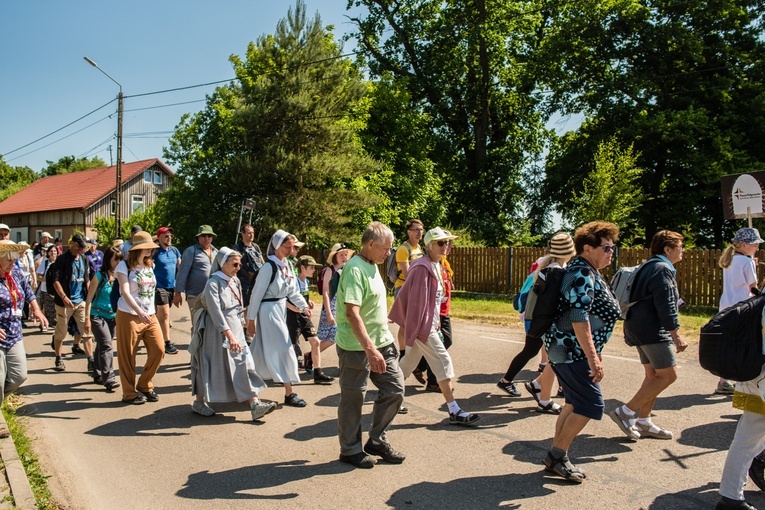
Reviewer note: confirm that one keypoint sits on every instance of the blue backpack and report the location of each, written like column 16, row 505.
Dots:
column 520, row 299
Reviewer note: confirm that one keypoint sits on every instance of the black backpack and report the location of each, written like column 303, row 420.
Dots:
column 542, row 305
column 50, row 280
column 731, row 342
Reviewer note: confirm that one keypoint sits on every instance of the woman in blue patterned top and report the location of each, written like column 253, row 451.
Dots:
column 14, row 292
column 587, row 312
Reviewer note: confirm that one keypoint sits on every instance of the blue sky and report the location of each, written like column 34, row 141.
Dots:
column 145, row 45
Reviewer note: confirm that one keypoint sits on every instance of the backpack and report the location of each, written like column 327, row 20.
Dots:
column 520, row 299
column 391, row 267
column 542, row 304
column 320, row 281
column 49, row 280
column 731, row 343
column 621, row 285
column 274, row 269
column 115, row 294
column 334, row 283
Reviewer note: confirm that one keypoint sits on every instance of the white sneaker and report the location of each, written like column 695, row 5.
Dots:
column 259, row 409
column 201, row 408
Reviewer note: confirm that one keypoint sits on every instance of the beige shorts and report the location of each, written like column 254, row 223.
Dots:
column 435, row 354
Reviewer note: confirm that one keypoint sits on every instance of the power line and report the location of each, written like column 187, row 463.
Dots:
column 87, row 153
column 58, row 140
column 164, row 105
column 59, row 129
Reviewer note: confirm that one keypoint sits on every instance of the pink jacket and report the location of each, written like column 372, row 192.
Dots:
column 415, row 306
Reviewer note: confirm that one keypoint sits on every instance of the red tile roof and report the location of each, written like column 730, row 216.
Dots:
column 77, row 190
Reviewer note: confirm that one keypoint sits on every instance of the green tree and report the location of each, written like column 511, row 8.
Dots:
column 287, row 135
column 70, row 164
column 14, row 178
column 466, row 63
column 682, row 82
column 611, row 191
column 150, row 220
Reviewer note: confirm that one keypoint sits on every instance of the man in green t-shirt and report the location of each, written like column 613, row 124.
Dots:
column 366, row 350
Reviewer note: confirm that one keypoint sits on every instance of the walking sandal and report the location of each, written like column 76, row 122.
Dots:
column 564, row 468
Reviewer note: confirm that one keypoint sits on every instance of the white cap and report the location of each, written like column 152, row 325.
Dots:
column 3, row 226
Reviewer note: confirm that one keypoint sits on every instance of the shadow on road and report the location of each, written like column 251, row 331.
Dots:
column 584, row 449
column 704, row 496
column 231, row 484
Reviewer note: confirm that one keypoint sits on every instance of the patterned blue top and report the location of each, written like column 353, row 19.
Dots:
column 584, row 297
column 10, row 319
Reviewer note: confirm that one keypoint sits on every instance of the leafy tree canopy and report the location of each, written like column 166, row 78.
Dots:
column 70, row 164
column 14, row 178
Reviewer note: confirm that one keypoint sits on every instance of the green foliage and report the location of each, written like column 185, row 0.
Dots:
column 14, row 178
column 287, row 136
column 150, row 220
column 465, row 65
column 70, row 164
column 682, row 82
column 611, row 191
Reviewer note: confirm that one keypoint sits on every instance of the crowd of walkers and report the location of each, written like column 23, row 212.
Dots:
column 248, row 311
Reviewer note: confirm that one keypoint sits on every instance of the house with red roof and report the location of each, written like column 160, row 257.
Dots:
column 61, row 204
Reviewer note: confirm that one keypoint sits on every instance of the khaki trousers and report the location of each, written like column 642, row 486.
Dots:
column 130, row 330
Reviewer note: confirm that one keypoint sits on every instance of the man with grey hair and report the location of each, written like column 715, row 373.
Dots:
column 367, row 350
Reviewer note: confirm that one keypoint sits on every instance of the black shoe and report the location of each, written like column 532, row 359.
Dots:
column 151, row 396
column 360, row 460
column 320, row 377
column 560, row 392
column 308, row 362
column 59, row 367
column 170, row 348
column 733, row 504
column 757, row 472
column 137, row 400
column 110, row 385
column 90, row 366
column 383, row 449
column 403, row 410
column 76, row 349
column 509, row 388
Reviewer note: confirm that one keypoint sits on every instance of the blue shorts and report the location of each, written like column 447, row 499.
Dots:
column 579, row 390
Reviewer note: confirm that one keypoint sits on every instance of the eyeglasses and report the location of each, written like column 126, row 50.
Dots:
column 607, row 248
column 236, row 264
column 417, row 229
column 205, row 235
column 444, row 243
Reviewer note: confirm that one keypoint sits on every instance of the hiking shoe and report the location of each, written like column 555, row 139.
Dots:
column 653, row 431
column 732, row 504
column 626, row 423
column 360, row 460
column 110, row 385
column 463, row 418
column 725, row 388
column 383, row 449
column 76, row 349
column 151, row 396
column 259, row 409
column 137, row 400
column 170, row 348
column 59, row 367
column 509, row 388
column 201, row 408
column 320, row 377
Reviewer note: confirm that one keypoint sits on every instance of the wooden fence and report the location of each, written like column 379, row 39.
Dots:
column 501, row 271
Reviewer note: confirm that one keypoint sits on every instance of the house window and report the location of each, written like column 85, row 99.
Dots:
column 57, row 235
column 18, row 237
column 136, row 203
column 147, row 176
column 157, row 177
column 38, row 235
column 113, row 207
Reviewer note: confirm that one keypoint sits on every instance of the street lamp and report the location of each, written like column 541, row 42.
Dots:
column 118, row 189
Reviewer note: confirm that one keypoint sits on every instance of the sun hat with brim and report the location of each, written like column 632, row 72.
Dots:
column 46, row 234
column 206, row 229
column 438, row 234
column 299, row 244
column 748, row 235
column 336, row 248
column 142, row 241
column 7, row 245
column 561, row 245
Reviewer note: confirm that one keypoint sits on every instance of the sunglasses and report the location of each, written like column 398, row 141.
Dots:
column 607, row 248
column 237, row 264
column 205, row 235
column 443, row 243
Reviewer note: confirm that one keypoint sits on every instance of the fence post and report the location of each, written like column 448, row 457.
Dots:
column 509, row 270
column 615, row 260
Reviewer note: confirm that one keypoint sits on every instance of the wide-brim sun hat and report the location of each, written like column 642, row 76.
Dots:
column 142, row 241
column 748, row 235
column 337, row 248
column 438, row 234
column 561, row 245
column 7, row 245
column 205, row 229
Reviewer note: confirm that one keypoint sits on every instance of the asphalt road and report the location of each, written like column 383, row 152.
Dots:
column 103, row 454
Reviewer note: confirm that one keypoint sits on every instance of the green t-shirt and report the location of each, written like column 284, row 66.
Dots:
column 362, row 285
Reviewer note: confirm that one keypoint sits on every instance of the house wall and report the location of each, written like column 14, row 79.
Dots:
column 137, row 186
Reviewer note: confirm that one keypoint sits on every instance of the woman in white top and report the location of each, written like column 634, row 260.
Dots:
column 272, row 348
column 136, row 320
column 45, row 300
column 739, row 278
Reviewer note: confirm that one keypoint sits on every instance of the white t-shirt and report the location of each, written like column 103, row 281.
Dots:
column 737, row 281
column 142, row 286
column 41, row 270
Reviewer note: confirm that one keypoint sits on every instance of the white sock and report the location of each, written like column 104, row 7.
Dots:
column 544, row 403
column 626, row 410
column 646, row 422
column 454, row 407
column 536, row 385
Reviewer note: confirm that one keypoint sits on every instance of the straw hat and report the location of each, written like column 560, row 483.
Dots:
column 142, row 241
column 8, row 245
column 338, row 247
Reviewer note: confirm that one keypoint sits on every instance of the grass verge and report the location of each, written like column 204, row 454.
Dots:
column 37, row 479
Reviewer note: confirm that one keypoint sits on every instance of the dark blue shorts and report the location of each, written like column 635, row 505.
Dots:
column 583, row 394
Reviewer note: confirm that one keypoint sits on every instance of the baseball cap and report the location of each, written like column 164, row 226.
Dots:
column 164, row 230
